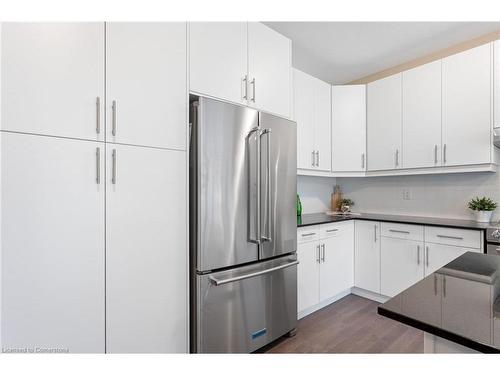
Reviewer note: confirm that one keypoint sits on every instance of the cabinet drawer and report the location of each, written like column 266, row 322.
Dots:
column 452, row 236
column 333, row 230
column 404, row 231
column 306, row 234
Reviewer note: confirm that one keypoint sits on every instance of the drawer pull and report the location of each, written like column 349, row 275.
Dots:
column 331, row 230
column 399, row 231
column 450, row 237
column 308, row 234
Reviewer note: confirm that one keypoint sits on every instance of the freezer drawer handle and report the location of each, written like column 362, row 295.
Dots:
column 218, row 282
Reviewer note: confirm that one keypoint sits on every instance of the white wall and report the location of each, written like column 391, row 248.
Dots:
column 431, row 195
column 315, row 193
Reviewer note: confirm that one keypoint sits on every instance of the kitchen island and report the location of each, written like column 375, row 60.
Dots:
column 457, row 306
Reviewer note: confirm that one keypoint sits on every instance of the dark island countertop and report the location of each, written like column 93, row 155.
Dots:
column 322, row 218
column 460, row 302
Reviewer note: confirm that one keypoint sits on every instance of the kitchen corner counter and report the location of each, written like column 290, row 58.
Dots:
column 322, row 218
column 457, row 303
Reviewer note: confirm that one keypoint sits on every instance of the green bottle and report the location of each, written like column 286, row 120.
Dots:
column 299, row 206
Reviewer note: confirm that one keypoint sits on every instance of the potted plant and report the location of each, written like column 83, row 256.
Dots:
column 483, row 208
column 346, row 204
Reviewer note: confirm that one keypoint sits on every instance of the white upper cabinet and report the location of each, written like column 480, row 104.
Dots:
column 323, row 126
column 384, row 123
column 496, row 84
column 422, row 116
column 269, row 70
column 303, row 95
column 467, row 123
column 53, row 79
column 313, row 116
column 245, row 63
column 146, row 83
column 349, row 128
column 52, row 242
column 218, row 59
column 146, row 251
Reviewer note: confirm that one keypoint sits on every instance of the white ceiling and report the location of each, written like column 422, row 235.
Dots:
column 340, row 52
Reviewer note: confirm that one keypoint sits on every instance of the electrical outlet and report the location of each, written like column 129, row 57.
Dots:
column 406, row 194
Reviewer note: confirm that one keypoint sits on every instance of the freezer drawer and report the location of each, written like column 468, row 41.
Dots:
column 243, row 309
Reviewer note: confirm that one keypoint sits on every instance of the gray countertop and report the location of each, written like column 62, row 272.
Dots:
column 322, row 218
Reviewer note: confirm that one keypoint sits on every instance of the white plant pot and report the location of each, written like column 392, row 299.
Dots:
column 483, row 216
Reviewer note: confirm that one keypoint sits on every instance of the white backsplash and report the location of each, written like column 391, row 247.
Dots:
column 315, row 193
column 431, row 195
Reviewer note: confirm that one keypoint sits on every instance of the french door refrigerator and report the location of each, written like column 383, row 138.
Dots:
column 243, row 229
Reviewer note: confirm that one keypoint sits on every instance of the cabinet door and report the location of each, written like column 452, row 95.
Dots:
column 269, row 70
column 469, row 317
column 218, row 59
column 146, row 83
column 308, row 275
column 401, row 265
column 349, row 123
column 146, row 259
column 337, row 267
column 323, row 125
column 467, row 123
column 52, row 225
column 437, row 256
column 367, row 256
column 496, row 84
column 384, row 123
column 53, row 78
column 422, row 116
column 303, row 89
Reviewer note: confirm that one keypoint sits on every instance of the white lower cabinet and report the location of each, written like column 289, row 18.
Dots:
column 367, row 255
column 308, row 275
column 401, row 265
column 52, row 243
column 438, row 255
column 326, row 268
column 146, row 259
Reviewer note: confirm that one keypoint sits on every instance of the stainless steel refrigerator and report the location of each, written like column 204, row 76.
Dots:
column 243, row 230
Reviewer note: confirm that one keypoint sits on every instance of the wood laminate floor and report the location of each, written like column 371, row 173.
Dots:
column 350, row 325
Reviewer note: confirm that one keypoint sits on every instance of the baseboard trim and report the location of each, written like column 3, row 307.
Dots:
column 324, row 303
column 369, row 295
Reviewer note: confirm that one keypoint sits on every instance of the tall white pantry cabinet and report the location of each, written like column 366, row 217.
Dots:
column 94, row 187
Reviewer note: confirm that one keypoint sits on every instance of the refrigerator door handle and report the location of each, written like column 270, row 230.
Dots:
column 268, row 236
column 257, row 239
column 218, row 282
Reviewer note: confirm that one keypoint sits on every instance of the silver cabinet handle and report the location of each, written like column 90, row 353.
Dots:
column 113, row 118
column 332, row 230
column 444, row 286
column 397, row 158
column 268, row 237
column 244, row 82
column 435, row 285
column 318, row 255
column 363, row 161
column 252, row 82
column 418, row 254
column 113, row 168
column 323, row 257
column 375, row 232
column 308, row 234
column 450, row 237
column 312, row 159
column 427, row 256
column 98, row 115
column 218, row 282
column 317, row 158
column 435, row 154
column 257, row 203
column 444, row 153
column 399, row 231
column 98, row 165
